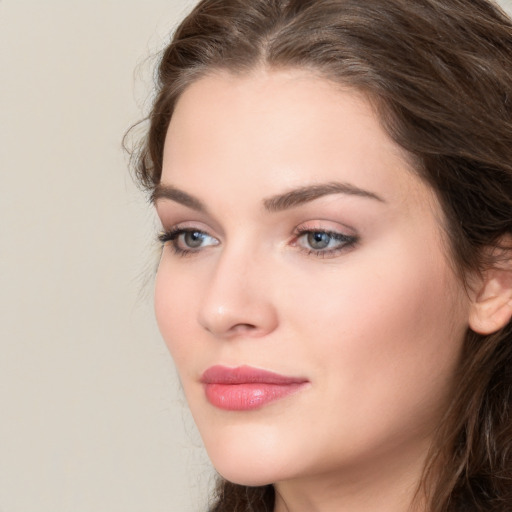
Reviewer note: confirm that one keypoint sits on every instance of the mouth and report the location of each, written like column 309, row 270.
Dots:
column 245, row 388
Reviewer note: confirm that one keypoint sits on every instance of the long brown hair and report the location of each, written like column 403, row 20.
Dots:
column 440, row 75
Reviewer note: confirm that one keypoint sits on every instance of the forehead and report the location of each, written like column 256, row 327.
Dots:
column 280, row 129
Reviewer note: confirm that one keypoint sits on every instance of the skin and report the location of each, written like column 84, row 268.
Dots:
column 375, row 327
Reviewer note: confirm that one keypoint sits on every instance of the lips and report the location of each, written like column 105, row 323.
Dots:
column 245, row 388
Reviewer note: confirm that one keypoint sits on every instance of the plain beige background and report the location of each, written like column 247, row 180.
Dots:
column 91, row 415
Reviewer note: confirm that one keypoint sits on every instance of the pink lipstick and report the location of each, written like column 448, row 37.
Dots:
column 245, row 388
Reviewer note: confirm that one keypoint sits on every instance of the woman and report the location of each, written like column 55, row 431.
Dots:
column 334, row 181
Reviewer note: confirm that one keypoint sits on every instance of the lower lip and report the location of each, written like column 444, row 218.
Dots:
column 248, row 396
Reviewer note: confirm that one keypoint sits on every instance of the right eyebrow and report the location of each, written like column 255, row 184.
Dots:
column 174, row 194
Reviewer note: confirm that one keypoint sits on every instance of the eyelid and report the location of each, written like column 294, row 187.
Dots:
column 327, row 226
column 172, row 214
column 346, row 236
column 173, row 235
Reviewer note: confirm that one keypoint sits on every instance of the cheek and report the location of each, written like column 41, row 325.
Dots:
column 174, row 300
column 384, row 333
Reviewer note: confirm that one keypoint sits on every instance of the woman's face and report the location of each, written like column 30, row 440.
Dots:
column 300, row 243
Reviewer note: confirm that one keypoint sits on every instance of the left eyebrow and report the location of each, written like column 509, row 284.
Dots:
column 309, row 193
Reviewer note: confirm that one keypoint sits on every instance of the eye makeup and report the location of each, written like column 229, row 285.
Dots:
column 187, row 241
column 323, row 243
column 318, row 242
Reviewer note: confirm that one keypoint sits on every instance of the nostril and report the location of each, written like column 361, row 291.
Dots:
column 242, row 328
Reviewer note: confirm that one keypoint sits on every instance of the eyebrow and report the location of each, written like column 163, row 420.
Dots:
column 275, row 203
column 309, row 193
column 177, row 195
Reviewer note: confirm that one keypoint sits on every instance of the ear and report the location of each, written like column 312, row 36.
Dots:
column 491, row 305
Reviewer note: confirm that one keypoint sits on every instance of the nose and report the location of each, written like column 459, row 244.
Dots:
column 238, row 298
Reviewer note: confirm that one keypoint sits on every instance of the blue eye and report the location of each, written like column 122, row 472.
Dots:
column 324, row 243
column 186, row 241
column 192, row 239
column 319, row 240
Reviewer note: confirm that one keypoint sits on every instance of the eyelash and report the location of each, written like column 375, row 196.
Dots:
column 173, row 235
column 345, row 241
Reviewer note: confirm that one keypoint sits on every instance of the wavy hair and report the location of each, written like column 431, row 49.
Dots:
column 439, row 73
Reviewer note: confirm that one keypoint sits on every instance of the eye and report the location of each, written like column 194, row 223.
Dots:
column 192, row 239
column 319, row 240
column 323, row 243
column 187, row 240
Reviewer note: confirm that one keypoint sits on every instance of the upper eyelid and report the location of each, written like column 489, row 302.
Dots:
column 187, row 225
column 300, row 228
column 179, row 230
column 305, row 227
column 327, row 226
column 169, row 221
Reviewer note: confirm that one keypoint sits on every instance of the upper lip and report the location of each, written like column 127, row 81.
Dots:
column 246, row 375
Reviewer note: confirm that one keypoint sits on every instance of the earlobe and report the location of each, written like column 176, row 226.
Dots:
column 491, row 307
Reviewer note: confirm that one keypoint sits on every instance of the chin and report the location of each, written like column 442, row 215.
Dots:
column 246, row 457
column 243, row 467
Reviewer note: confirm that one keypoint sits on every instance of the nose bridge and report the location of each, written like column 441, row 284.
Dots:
column 237, row 297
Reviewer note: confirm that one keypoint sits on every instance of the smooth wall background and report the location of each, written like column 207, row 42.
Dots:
column 91, row 414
